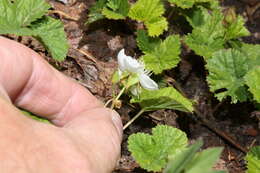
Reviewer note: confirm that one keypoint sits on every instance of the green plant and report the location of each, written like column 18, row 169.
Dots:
column 233, row 66
column 253, row 160
column 27, row 18
column 152, row 152
column 192, row 161
column 167, row 149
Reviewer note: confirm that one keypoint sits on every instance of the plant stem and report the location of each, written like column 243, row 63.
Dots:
column 117, row 97
column 134, row 118
column 211, row 126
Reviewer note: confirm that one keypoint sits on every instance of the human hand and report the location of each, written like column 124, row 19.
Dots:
column 85, row 137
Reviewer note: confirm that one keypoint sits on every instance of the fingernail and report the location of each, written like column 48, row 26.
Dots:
column 117, row 122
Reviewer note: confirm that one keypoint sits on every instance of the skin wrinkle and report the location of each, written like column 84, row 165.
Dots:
column 12, row 70
column 29, row 146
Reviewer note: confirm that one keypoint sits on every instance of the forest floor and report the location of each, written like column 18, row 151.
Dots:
column 92, row 60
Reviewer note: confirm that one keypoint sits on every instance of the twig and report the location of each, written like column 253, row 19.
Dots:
column 61, row 13
column 133, row 119
column 209, row 125
column 117, row 97
column 87, row 54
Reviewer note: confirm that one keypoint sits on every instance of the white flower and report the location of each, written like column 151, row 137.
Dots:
column 129, row 64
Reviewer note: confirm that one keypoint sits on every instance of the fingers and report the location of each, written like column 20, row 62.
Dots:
column 33, row 84
column 99, row 136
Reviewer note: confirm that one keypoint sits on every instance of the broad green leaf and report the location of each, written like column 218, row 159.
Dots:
column 252, row 51
column 236, row 29
column 182, row 159
column 252, row 79
column 152, row 151
column 207, row 37
column 164, row 56
column 116, row 9
column 188, row 3
column 145, row 43
column 95, row 12
column 165, row 98
column 183, row 3
column 150, row 12
column 197, row 16
column 227, row 69
column 26, row 17
column 51, row 33
column 20, row 13
column 204, row 161
column 253, row 160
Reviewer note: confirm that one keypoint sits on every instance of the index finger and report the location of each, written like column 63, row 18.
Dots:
column 34, row 85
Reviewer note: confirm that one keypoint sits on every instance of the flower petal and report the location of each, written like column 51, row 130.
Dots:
column 121, row 60
column 147, row 83
column 127, row 63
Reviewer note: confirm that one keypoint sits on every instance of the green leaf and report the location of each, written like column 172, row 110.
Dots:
column 34, row 117
column 95, row 12
column 164, row 56
column 25, row 17
column 252, row 79
column 188, row 161
column 181, row 160
column 183, row 3
column 204, row 161
column 145, row 43
column 150, row 12
column 51, row 33
column 188, row 3
column 236, row 29
column 116, row 9
column 252, row 52
column 253, row 160
column 208, row 36
column 152, row 152
column 227, row 69
column 165, row 98
column 20, row 13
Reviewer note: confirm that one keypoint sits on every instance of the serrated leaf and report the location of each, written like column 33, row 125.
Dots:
column 51, row 33
column 253, row 160
column 207, row 37
column 181, row 160
column 188, row 3
column 19, row 14
column 25, row 17
column 227, row 69
column 197, row 16
column 164, row 56
column 252, row 79
column 116, row 9
column 165, row 98
column 150, row 12
column 252, row 51
column 236, row 29
column 145, row 43
column 95, row 12
column 183, row 3
column 152, row 152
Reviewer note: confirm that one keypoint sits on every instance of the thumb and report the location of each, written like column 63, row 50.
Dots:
column 98, row 133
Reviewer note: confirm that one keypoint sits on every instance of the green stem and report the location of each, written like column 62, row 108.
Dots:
column 117, row 97
column 134, row 118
